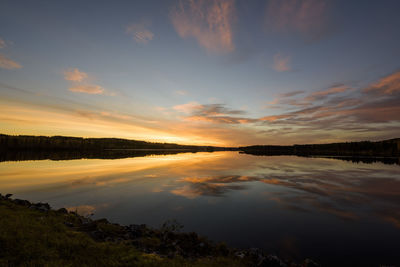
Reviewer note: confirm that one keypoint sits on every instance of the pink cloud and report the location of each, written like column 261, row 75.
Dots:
column 88, row 89
column 387, row 85
column 188, row 107
column 140, row 33
column 9, row 64
column 307, row 17
column 330, row 91
column 274, row 117
column 74, row 75
column 209, row 22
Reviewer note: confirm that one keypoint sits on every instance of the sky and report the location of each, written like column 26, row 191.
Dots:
column 220, row 72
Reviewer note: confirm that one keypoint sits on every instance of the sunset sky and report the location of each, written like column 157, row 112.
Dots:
column 220, row 72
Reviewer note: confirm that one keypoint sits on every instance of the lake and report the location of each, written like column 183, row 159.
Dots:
column 333, row 211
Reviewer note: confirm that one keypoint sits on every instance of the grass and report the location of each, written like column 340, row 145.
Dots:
column 34, row 238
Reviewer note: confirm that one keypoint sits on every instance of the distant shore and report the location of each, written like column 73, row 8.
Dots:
column 23, row 143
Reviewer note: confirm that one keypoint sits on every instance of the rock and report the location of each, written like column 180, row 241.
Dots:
column 109, row 239
column 22, row 202
column 69, row 224
column 240, row 254
column 255, row 252
column 273, row 261
column 8, row 195
column 102, row 221
column 310, row 263
column 137, row 230
column 41, row 207
column 97, row 235
column 63, row 210
column 171, row 255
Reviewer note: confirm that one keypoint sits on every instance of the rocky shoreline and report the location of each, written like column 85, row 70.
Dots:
column 165, row 242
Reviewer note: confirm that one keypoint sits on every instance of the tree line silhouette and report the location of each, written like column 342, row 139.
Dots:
column 386, row 148
column 39, row 147
column 34, row 143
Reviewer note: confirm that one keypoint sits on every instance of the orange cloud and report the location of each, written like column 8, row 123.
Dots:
column 304, row 16
column 9, row 64
column 75, row 75
column 387, row 85
column 220, row 119
column 188, row 107
column 77, row 78
column 140, row 33
column 281, row 63
column 88, row 89
column 209, row 22
column 274, row 118
column 330, row 91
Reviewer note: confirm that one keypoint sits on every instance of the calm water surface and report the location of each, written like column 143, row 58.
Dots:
column 330, row 210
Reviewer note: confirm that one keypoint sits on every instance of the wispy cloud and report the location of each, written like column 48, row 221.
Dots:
column 188, row 107
column 80, row 84
column 340, row 107
column 330, row 91
column 281, row 62
column 180, row 92
column 75, row 75
column 290, row 94
column 214, row 113
column 209, row 22
column 207, row 109
column 9, row 64
column 5, row 62
column 140, row 32
column 3, row 43
column 387, row 85
column 335, row 113
column 283, row 98
column 88, row 89
column 321, row 95
column 307, row 17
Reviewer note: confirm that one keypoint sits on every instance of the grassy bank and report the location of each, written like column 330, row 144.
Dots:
column 33, row 234
column 31, row 237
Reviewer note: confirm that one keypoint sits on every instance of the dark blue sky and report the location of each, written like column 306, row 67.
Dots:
column 216, row 72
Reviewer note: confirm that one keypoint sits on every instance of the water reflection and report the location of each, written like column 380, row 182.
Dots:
column 211, row 186
column 21, row 155
column 342, row 192
column 293, row 206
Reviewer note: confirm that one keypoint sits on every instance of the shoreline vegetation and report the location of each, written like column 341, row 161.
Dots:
column 26, row 147
column 34, row 234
